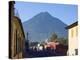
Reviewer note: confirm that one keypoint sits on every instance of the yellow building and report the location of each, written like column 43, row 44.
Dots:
column 73, row 39
column 16, row 34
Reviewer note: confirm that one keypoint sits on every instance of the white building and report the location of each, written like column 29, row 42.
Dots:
column 73, row 39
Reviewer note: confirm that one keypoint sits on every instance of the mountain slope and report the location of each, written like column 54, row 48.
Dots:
column 41, row 26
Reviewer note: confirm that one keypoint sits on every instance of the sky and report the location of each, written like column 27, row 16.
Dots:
column 66, row 13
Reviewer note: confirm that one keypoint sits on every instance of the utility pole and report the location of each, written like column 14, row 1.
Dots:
column 27, row 35
column 27, row 42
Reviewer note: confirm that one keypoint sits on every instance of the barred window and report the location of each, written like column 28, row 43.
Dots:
column 76, row 51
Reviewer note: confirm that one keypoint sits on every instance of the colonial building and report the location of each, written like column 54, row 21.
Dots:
column 16, row 34
column 73, row 39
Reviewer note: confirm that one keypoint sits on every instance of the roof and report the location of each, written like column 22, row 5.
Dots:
column 72, row 25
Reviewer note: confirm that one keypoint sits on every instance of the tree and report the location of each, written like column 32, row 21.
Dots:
column 63, row 40
column 53, row 37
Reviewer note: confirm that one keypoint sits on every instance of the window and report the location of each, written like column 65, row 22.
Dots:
column 76, row 31
column 76, row 51
column 15, row 39
column 72, row 32
column 17, row 43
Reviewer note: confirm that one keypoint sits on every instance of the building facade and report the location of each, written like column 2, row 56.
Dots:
column 16, row 34
column 73, row 39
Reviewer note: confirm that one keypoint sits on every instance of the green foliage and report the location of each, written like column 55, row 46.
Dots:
column 63, row 41
column 53, row 37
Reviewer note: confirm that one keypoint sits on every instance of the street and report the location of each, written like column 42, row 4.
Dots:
column 44, row 53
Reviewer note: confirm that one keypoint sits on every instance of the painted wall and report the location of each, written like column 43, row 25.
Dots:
column 73, row 40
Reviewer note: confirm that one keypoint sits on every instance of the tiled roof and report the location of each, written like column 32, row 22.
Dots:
column 72, row 25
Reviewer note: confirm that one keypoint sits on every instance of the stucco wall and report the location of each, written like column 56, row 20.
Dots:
column 72, row 40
